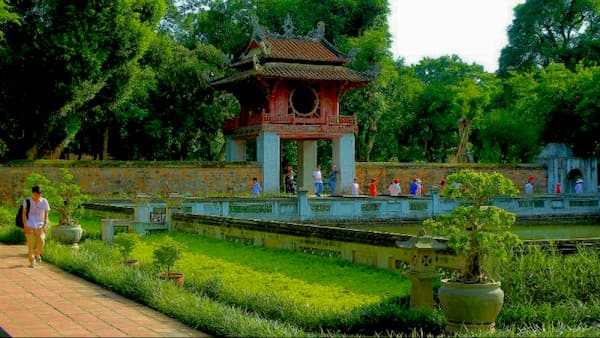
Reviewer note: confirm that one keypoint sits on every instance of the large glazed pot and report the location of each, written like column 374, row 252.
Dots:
column 67, row 234
column 471, row 307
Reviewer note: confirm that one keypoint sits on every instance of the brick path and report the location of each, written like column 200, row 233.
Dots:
column 47, row 302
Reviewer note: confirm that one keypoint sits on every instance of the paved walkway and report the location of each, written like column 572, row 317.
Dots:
column 47, row 302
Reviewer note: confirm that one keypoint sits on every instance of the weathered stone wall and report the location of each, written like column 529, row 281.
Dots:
column 431, row 174
column 120, row 179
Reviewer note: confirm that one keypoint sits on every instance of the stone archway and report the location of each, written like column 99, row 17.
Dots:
column 572, row 177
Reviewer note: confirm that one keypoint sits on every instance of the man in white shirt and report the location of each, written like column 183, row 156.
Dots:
column 318, row 179
column 35, row 224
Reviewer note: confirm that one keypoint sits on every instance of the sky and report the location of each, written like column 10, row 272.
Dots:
column 475, row 30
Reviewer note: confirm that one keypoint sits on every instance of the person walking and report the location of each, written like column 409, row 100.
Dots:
column 355, row 188
column 394, row 187
column 373, row 187
column 529, row 185
column 35, row 225
column 256, row 188
column 333, row 178
column 420, row 190
column 414, row 186
column 290, row 184
column 579, row 186
column 318, row 179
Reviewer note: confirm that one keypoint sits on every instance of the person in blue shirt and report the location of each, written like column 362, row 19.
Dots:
column 529, row 185
column 414, row 187
column 256, row 188
column 333, row 179
column 579, row 186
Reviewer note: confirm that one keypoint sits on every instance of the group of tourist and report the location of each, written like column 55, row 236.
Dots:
column 415, row 188
column 529, row 187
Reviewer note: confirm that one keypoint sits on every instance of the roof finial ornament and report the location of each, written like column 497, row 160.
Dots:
column 288, row 27
column 259, row 31
column 318, row 33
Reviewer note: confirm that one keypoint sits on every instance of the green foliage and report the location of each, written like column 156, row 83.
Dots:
column 126, row 242
column 10, row 234
column 557, row 31
column 168, row 253
column 508, row 137
column 64, row 196
column 544, row 287
column 479, row 231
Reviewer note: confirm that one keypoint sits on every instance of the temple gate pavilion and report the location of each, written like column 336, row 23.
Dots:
column 289, row 88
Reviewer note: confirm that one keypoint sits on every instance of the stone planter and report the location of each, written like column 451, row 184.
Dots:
column 471, row 307
column 176, row 277
column 67, row 234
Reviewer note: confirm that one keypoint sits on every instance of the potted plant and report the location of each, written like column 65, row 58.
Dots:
column 66, row 199
column 480, row 232
column 165, row 257
column 126, row 242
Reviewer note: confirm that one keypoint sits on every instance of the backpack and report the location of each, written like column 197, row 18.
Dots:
column 19, row 217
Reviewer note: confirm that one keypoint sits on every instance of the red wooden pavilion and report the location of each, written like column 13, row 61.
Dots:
column 289, row 88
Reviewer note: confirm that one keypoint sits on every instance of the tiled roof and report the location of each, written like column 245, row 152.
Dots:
column 297, row 71
column 293, row 50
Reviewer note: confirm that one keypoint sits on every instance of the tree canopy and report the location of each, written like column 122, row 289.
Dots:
column 130, row 79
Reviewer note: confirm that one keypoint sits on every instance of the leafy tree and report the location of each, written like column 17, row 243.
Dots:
column 6, row 16
column 180, row 117
column 479, row 231
column 369, row 103
column 438, row 108
column 75, row 52
column 472, row 97
column 565, row 99
column 547, row 31
column 396, row 127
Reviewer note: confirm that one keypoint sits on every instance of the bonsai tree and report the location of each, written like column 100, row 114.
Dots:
column 126, row 242
column 476, row 229
column 168, row 253
column 64, row 196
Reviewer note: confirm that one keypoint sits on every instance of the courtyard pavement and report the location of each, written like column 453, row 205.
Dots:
column 48, row 302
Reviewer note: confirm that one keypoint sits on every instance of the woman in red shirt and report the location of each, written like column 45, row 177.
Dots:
column 373, row 188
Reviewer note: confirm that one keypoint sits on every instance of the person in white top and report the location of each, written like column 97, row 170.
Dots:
column 355, row 188
column 35, row 225
column 318, row 178
column 394, row 187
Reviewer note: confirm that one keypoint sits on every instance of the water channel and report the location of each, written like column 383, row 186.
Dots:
column 561, row 231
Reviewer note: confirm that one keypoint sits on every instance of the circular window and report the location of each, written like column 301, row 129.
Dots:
column 304, row 101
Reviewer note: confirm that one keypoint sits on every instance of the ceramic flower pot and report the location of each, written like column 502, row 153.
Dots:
column 176, row 277
column 67, row 234
column 471, row 307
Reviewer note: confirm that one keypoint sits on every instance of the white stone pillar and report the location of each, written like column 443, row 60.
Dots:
column 235, row 150
column 307, row 162
column 343, row 157
column 268, row 146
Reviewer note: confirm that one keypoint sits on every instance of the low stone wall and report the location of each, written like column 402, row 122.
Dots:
column 431, row 174
column 108, row 211
column 121, row 179
column 361, row 247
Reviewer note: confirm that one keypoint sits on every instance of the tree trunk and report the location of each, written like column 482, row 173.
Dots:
column 464, row 128
column 105, row 145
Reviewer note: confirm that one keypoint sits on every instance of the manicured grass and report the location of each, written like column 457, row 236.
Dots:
column 311, row 292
